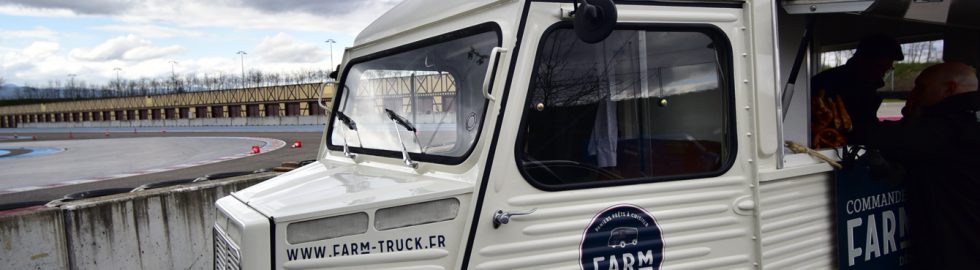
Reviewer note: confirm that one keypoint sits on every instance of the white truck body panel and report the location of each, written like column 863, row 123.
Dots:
column 767, row 209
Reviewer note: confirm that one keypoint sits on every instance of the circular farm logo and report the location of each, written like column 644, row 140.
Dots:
column 622, row 237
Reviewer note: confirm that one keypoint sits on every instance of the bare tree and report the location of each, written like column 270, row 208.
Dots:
column 76, row 88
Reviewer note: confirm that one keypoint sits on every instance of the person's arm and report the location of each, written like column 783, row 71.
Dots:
column 911, row 140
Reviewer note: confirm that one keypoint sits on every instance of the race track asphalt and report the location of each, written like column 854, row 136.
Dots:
column 270, row 159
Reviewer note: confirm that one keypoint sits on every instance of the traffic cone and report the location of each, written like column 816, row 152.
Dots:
column 297, row 144
column 256, row 149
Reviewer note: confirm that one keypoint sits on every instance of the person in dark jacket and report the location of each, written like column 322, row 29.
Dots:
column 938, row 142
column 844, row 99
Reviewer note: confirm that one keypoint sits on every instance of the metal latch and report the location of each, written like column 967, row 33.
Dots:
column 503, row 217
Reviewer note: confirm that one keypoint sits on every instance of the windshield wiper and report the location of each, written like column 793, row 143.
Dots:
column 401, row 121
column 349, row 123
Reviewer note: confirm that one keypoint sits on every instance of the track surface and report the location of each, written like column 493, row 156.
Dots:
column 248, row 163
column 78, row 161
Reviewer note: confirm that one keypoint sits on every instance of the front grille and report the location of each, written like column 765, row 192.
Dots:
column 227, row 255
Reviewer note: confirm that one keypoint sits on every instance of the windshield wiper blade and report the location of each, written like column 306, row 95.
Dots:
column 400, row 120
column 346, row 120
column 349, row 123
column 397, row 119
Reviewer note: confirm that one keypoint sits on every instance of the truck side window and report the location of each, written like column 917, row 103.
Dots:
column 643, row 105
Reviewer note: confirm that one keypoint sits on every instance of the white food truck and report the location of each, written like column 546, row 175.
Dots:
column 560, row 134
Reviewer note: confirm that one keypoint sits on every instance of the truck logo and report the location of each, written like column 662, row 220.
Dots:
column 623, row 236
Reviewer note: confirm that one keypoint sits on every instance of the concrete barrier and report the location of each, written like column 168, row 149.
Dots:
column 167, row 228
column 33, row 240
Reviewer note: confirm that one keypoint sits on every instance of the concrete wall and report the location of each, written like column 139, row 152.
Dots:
column 33, row 240
column 197, row 122
column 166, row 228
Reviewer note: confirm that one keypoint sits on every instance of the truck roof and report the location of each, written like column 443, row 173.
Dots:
column 412, row 14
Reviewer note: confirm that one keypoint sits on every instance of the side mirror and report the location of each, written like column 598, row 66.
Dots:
column 333, row 74
column 594, row 19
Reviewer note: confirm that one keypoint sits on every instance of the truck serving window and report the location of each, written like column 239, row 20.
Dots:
column 646, row 104
column 435, row 86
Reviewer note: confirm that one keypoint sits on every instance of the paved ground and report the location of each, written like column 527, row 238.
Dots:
column 249, row 163
column 77, row 161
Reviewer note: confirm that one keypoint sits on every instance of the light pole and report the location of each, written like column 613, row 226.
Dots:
column 118, row 82
column 71, row 82
column 173, row 74
column 331, row 42
column 243, row 53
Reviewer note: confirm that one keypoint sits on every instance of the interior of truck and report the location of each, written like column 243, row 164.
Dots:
column 929, row 31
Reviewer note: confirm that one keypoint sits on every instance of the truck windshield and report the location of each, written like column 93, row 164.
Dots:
column 436, row 87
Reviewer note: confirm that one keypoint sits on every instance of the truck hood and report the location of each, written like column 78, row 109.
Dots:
column 324, row 189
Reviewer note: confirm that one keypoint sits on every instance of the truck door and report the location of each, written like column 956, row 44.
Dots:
column 628, row 153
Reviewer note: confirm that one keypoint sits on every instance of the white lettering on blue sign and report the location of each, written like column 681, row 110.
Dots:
column 876, row 244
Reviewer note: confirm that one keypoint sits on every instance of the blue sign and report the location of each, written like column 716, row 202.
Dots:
column 622, row 237
column 872, row 230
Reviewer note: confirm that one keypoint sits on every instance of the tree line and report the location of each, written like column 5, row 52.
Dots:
column 73, row 88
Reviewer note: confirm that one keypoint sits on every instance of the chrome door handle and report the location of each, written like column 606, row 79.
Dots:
column 503, row 217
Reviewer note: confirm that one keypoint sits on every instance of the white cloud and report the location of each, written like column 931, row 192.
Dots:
column 34, row 12
column 39, row 32
column 347, row 17
column 283, row 48
column 129, row 48
column 140, row 24
column 77, row 7
column 150, row 31
column 210, row 14
column 41, row 49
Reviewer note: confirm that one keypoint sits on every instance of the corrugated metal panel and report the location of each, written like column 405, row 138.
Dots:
column 695, row 217
column 797, row 222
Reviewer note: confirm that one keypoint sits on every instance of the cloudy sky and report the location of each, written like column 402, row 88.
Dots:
column 44, row 40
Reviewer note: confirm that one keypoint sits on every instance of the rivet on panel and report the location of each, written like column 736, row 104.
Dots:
column 745, row 81
column 745, row 54
column 749, row 134
column 748, row 108
column 750, row 160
